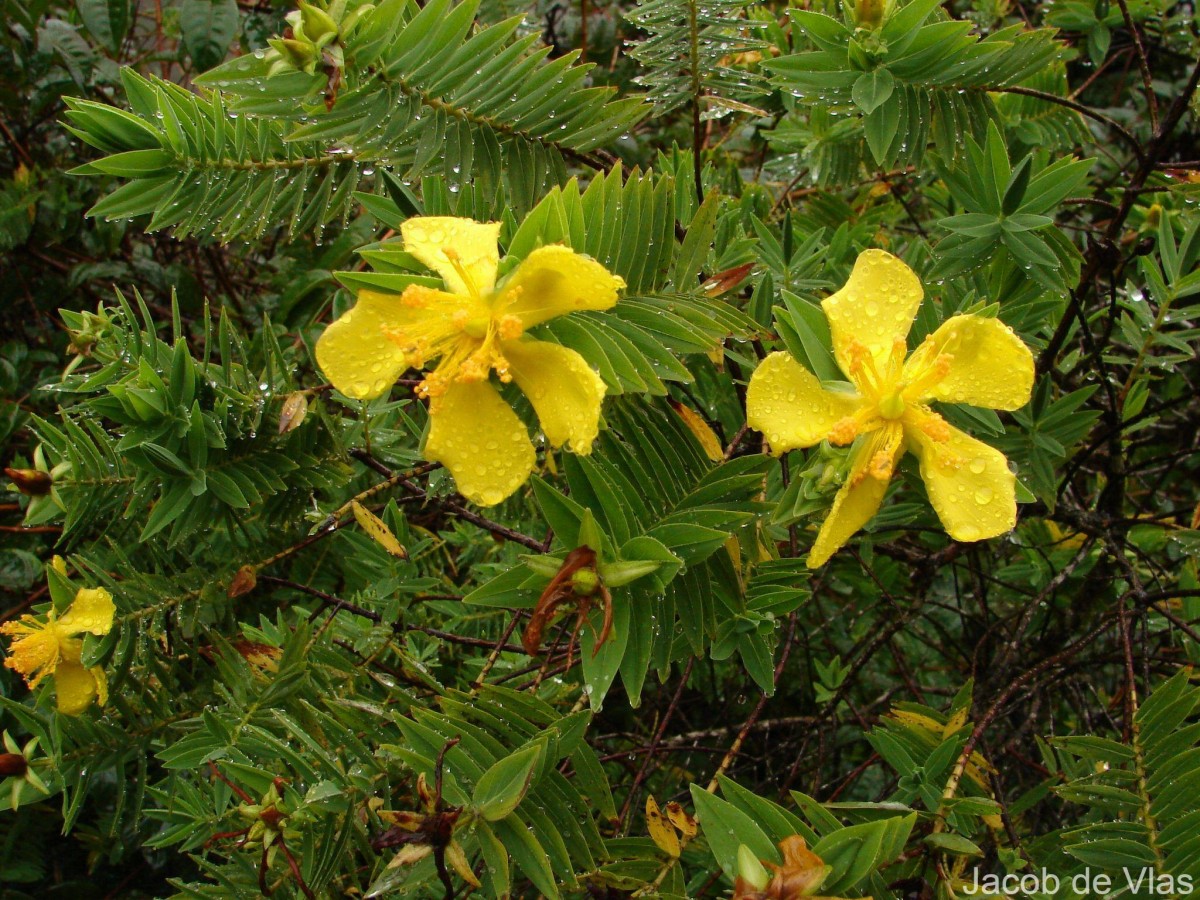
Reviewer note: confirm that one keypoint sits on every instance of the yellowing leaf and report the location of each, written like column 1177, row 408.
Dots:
column 410, row 855
column 457, row 857
column 704, row 434
column 378, row 530
column 917, row 720
column 956, row 721
column 682, row 820
column 660, row 830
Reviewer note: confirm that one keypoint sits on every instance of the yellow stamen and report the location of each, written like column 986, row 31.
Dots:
column 474, row 368
column 510, row 328
column 928, row 375
column 844, row 432
column 883, row 462
column 415, row 296
column 456, row 261
column 935, row 427
column 409, row 346
column 435, row 385
column 881, row 466
column 862, row 366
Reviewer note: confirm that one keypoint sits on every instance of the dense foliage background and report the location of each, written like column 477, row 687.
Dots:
column 280, row 673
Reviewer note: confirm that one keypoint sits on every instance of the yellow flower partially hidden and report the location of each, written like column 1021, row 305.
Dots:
column 969, row 359
column 54, row 648
column 474, row 328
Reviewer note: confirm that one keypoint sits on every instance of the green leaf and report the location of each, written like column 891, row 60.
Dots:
column 872, row 89
column 107, row 20
column 696, row 244
column 726, row 828
column 502, row 787
column 208, row 28
column 529, row 855
column 953, row 843
column 856, row 851
column 880, row 129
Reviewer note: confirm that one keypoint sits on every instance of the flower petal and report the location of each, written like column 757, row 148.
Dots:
column 355, row 352
column 475, row 244
column 787, row 404
column 34, row 652
column 101, row 680
column 75, row 688
column 969, row 484
column 475, row 435
column 555, row 280
column 92, row 611
column 563, row 389
column 859, row 498
column 989, row 365
column 875, row 308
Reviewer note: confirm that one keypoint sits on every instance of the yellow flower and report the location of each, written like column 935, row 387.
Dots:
column 969, row 359
column 473, row 329
column 53, row 648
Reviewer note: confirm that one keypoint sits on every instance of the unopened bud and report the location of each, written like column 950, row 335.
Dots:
column 13, row 765
column 299, row 54
column 31, row 482
column 91, row 327
column 316, row 23
column 295, row 408
column 750, row 870
column 869, row 13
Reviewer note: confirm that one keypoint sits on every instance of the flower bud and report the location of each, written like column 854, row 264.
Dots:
column 13, row 765
column 295, row 408
column 298, row 54
column 750, row 870
column 316, row 24
column 31, row 482
column 90, row 328
column 869, row 13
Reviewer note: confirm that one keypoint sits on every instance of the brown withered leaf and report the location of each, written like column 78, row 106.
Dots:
column 264, row 656
column 557, row 592
column 295, row 408
column 244, row 581
column 721, row 282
